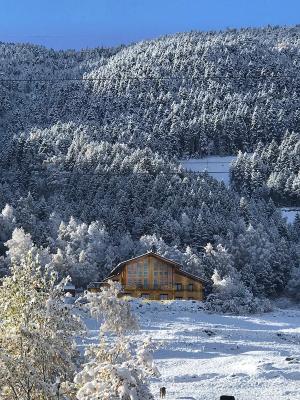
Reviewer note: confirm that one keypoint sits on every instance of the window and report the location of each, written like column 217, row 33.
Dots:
column 145, row 295
column 178, row 298
column 178, row 287
column 131, row 274
column 163, row 297
column 137, row 274
column 162, row 273
column 190, row 287
column 140, row 268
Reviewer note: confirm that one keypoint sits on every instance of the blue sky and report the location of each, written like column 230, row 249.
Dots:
column 89, row 23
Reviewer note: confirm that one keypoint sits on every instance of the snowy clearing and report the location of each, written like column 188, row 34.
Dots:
column 216, row 166
column 290, row 213
column 203, row 356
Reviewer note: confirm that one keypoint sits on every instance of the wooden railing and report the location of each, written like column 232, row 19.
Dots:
column 175, row 288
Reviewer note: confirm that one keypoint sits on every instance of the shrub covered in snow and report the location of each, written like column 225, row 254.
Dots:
column 230, row 295
column 116, row 368
column 37, row 349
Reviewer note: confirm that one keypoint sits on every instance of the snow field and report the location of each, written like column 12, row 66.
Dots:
column 202, row 356
column 216, row 166
column 290, row 213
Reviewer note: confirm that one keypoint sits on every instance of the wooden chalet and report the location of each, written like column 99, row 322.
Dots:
column 154, row 277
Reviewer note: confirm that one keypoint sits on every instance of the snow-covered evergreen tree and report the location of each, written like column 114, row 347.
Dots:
column 293, row 286
column 273, row 170
column 7, row 225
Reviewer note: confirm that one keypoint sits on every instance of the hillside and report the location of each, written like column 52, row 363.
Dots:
column 95, row 203
column 271, row 171
column 189, row 93
column 149, row 200
column 90, row 145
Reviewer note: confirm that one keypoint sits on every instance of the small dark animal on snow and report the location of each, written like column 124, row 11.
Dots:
column 162, row 392
column 224, row 397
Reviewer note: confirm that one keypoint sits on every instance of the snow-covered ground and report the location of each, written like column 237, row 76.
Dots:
column 216, row 166
column 203, row 356
column 290, row 213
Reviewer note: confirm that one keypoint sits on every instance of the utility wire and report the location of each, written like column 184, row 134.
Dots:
column 151, row 78
column 206, row 162
column 109, row 173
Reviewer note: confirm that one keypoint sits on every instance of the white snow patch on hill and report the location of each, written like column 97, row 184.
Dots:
column 290, row 213
column 216, row 166
column 203, row 356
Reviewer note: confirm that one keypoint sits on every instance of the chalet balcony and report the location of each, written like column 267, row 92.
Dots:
column 176, row 288
column 148, row 287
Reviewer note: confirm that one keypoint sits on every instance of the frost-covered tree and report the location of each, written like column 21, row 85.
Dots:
column 7, row 225
column 81, row 251
column 115, row 368
column 273, row 170
column 293, row 286
column 37, row 348
column 20, row 244
column 262, row 257
column 231, row 296
column 217, row 259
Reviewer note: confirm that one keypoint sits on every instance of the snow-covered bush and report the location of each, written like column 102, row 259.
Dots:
column 37, row 349
column 116, row 368
column 231, row 296
column 115, row 312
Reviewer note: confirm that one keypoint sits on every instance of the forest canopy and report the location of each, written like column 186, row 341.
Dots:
column 89, row 170
column 186, row 94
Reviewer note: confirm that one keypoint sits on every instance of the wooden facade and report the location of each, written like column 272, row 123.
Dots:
column 154, row 277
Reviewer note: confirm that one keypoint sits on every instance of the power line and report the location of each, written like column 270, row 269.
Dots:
column 208, row 172
column 151, row 78
column 109, row 173
column 206, row 162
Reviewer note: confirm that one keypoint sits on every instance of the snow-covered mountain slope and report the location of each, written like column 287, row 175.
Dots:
column 188, row 93
column 203, row 356
column 218, row 167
